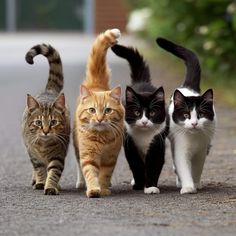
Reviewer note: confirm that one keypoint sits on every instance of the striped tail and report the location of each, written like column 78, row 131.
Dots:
column 139, row 69
column 55, row 79
column 193, row 73
column 98, row 73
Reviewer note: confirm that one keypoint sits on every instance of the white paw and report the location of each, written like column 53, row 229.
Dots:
column 80, row 185
column 186, row 190
column 151, row 190
column 132, row 182
column 116, row 33
column 198, row 185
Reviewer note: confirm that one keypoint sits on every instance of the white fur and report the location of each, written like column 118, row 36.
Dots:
column 144, row 134
column 151, row 190
column 80, row 183
column 116, row 32
column 189, row 147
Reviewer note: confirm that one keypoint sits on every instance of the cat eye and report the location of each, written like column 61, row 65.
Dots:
column 137, row 113
column 53, row 122
column 92, row 110
column 107, row 110
column 186, row 116
column 201, row 115
column 38, row 122
column 152, row 113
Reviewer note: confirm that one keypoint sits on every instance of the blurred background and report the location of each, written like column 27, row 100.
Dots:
column 206, row 26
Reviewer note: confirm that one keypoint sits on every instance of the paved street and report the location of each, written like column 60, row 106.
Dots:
column 24, row 211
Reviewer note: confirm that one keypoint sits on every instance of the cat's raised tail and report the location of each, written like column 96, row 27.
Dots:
column 55, row 79
column 193, row 69
column 98, row 73
column 139, row 68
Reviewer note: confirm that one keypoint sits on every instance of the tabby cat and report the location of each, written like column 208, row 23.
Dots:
column 99, row 121
column 46, row 125
column 192, row 121
column 145, row 118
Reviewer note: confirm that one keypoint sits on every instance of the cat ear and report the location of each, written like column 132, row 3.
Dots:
column 178, row 98
column 84, row 92
column 60, row 102
column 116, row 93
column 160, row 94
column 32, row 103
column 130, row 94
column 208, row 95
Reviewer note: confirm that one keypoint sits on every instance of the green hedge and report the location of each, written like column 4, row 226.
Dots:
column 206, row 26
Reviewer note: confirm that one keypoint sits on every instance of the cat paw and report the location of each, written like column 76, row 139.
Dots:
column 94, row 193
column 105, row 192
column 151, row 190
column 39, row 186
column 187, row 190
column 198, row 185
column 116, row 33
column 51, row 191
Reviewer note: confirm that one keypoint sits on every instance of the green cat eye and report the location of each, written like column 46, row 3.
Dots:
column 38, row 122
column 92, row 110
column 201, row 115
column 107, row 110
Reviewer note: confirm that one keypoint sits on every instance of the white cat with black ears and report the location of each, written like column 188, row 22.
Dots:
column 192, row 121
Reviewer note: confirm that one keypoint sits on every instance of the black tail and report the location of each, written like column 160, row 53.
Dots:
column 193, row 73
column 55, row 79
column 139, row 69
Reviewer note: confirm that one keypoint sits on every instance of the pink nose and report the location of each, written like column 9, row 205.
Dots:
column 194, row 124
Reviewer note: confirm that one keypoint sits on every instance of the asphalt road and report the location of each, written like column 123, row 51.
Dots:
column 24, row 211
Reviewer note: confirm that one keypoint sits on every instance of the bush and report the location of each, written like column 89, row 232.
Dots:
column 206, row 26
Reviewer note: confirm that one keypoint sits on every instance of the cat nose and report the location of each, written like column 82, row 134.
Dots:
column 144, row 123
column 45, row 130
column 194, row 124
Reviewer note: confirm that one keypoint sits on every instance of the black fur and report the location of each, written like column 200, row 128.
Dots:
column 142, row 96
column 193, row 73
column 184, row 105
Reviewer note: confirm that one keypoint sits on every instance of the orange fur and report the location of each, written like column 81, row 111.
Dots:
column 99, row 120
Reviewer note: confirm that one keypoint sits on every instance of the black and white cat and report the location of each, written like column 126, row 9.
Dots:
column 192, row 121
column 145, row 122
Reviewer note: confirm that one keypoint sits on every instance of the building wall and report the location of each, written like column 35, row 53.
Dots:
column 110, row 14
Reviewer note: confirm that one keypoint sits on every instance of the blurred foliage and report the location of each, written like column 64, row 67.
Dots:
column 206, row 26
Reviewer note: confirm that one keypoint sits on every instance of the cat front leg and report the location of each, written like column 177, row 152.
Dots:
column 54, row 169
column 135, row 162
column 90, row 168
column 154, row 162
column 39, row 174
column 183, row 168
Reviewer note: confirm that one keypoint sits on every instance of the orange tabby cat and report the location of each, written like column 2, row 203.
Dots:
column 99, row 121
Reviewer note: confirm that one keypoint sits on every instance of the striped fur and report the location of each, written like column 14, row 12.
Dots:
column 99, row 121
column 55, row 80
column 46, row 125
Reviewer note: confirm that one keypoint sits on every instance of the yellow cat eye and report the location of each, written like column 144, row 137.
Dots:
column 38, row 122
column 53, row 122
column 107, row 110
column 92, row 110
column 137, row 113
column 152, row 113
column 186, row 116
